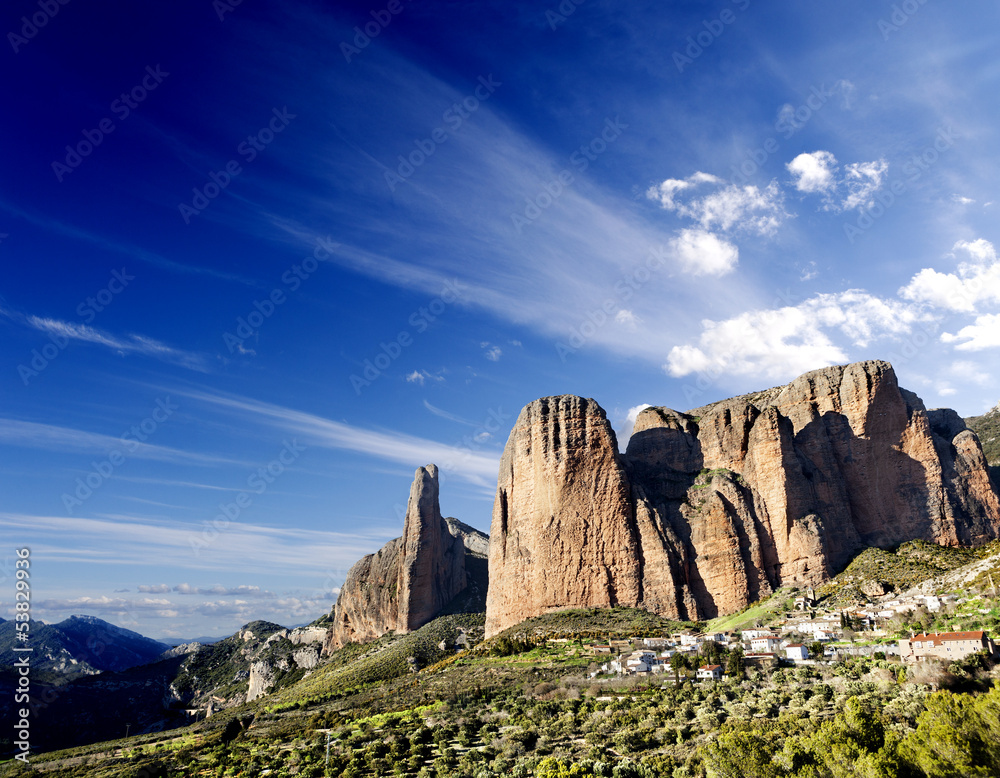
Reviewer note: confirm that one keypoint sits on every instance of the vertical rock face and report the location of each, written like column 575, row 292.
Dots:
column 712, row 509
column 563, row 532
column 413, row 579
column 432, row 565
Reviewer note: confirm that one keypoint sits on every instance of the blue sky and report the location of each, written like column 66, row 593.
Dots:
column 263, row 260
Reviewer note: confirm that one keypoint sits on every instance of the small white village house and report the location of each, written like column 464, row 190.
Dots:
column 765, row 644
column 710, row 672
column 796, row 651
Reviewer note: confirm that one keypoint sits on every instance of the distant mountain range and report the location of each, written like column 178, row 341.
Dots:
column 81, row 645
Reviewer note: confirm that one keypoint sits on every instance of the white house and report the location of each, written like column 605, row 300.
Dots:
column 690, row 640
column 796, row 652
column 765, row 644
column 710, row 672
column 656, row 642
column 750, row 634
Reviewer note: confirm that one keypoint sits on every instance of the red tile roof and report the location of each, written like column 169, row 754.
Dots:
column 942, row 637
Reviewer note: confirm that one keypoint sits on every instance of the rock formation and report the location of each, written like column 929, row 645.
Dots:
column 987, row 428
column 437, row 566
column 712, row 509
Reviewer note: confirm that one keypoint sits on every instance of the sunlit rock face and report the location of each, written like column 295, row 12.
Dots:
column 710, row 510
column 411, row 580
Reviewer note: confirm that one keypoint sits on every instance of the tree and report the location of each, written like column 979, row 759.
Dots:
column 743, row 753
column 816, row 649
column 734, row 666
column 678, row 662
column 956, row 735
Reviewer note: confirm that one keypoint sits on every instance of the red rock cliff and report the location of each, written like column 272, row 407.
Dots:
column 712, row 509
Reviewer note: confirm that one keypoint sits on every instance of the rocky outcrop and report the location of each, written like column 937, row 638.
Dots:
column 987, row 428
column 712, row 509
column 437, row 566
column 563, row 533
column 261, row 680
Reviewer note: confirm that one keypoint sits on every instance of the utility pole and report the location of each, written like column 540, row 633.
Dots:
column 127, row 728
column 328, row 749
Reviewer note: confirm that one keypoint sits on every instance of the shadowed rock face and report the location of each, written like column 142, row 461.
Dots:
column 413, row 579
column 712, row 509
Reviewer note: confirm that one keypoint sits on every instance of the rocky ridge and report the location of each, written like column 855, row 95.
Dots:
column 437, row 566
column 987, row 428
column 712, row 509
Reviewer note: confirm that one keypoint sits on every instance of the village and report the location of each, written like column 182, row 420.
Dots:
column 808, row 635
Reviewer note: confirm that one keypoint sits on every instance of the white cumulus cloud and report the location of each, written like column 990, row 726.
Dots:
column 704, row 253
column 975, row 281
column 817, row 173
column 814, row 172
column 984, row 333
column 778, row 344
column 728, row 208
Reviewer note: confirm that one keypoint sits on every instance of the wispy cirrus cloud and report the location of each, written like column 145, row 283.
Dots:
column 129, row 541
column 124, row 345
column 51, row 437
column 171, row 617
column 475, row 467
column 127, row 250
column 244, row 590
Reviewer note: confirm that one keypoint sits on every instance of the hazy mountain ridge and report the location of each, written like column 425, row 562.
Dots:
column 81, row 645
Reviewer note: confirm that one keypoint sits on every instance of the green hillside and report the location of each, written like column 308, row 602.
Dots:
column 537, row 712
column 876, row 569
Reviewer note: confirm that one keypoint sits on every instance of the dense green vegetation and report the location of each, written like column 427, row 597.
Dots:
column 524, row 704
column 531, row 701
column 861, row 717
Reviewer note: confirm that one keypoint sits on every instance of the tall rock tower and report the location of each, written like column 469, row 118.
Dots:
column 411, row 579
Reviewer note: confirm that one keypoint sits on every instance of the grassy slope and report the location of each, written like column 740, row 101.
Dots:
column 910, row 564
column 898, row 570
column 356, row 667
column 760, row 612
